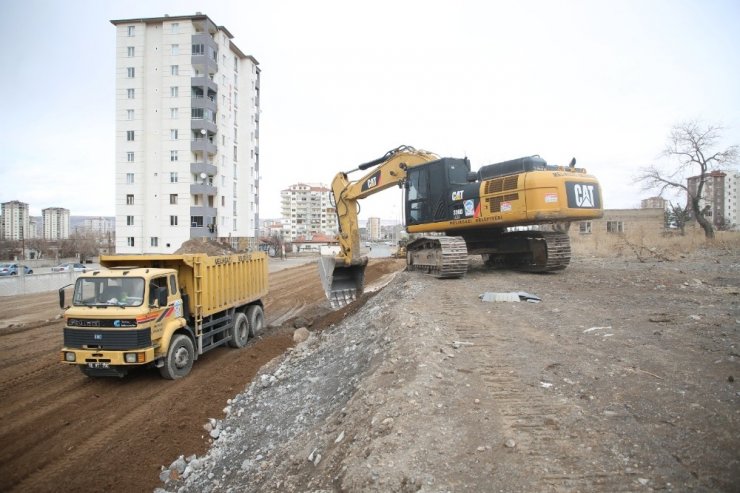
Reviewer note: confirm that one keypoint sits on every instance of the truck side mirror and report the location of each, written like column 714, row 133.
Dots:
column 61, row 297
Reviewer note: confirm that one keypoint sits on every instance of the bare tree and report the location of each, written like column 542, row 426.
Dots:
column 692, row 146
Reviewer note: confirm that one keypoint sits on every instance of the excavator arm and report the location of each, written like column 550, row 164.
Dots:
column 343, row 276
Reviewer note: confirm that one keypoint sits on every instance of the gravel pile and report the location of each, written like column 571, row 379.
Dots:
column 293, row 397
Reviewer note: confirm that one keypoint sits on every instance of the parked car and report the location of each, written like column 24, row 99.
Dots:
column 12, row 269
column 70, row 267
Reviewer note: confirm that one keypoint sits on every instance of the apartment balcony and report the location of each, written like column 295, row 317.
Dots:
column 207, row 168
column 198, row 124
column 203, row 189
column 205, row 211
column 205, row 102
column 203, row 144
column 204, row 82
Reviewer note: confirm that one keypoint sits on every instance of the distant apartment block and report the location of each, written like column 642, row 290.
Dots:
column 15, row 221
column 98, row 225
column 732, row 208
column 187, row 135
column 653, row 203
column 719, row 197
column 307, row 210
column 373, row 228
column 56, row 223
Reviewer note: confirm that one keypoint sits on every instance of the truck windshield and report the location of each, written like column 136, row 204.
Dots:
column 106, row 291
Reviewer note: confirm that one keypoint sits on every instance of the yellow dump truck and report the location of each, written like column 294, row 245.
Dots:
column 161, row 310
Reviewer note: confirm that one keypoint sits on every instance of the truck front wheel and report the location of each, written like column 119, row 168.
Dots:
column 239, row 331
column 179, row 359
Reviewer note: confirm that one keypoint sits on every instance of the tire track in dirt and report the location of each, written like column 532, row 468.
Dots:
column 528, row 414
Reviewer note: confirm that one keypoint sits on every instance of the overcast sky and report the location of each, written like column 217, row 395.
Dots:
column 343, row 82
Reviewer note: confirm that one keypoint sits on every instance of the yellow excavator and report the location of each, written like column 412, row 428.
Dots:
column 463, row 212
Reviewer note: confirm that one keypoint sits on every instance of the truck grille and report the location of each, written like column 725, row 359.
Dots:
column 107, row 339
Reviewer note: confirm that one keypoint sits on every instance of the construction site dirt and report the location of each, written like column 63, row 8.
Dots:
column 622, row 378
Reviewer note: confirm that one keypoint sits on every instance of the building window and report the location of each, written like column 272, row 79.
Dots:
column 614, row 227
column 175, row 28
column 235, row 159
column 173, row 198
column 130, row 178
column 130, row 157
column 174, row 70
column 173, row 177
column 129, row 220
column 131, row 31
column 196, row 114
column 175, row 50
column 174, row 91
column 130, row 50
column 154, row 241
column 173, row 113
column 173, row 134
column 173, row 220
column 173, row 155
column 584, row 227
column 130, row 72
column 130, row 199
column 196, row 221
column 130, row 241
column 130, row 93
column 129, row 114
column 199, row 49
column 130, row 135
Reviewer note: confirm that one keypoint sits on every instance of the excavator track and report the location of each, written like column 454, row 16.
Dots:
column 532, row 251
column 438, row 256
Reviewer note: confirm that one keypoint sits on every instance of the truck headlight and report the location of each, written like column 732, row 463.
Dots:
column 70, row 356
column 129, row 357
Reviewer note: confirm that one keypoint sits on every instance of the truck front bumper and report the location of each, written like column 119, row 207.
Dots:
column 94, row 358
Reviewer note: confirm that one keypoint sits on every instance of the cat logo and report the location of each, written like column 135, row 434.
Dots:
column 457, row 195
column 372, row 182
column 584, row 195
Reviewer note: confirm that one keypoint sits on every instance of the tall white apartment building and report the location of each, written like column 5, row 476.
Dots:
column 187, row 135
column 373, row 228
column 15, row 221
column 307, row 210
column 56, row 223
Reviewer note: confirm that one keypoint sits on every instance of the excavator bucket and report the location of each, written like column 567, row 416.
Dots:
column 342, row 283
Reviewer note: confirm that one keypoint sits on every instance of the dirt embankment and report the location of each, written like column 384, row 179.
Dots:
column 64, row 431
column 623, row 378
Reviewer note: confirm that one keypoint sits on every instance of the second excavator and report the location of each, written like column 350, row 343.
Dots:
column 461, row 212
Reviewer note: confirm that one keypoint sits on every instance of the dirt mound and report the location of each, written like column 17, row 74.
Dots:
column 209, row 247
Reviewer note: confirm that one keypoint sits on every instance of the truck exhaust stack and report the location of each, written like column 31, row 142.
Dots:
column 342, row 283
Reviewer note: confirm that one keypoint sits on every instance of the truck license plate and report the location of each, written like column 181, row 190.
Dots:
column 98, row 365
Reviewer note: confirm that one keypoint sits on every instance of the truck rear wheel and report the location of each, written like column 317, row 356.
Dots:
column 256, row 319
column 239, row 331
column 179, row 358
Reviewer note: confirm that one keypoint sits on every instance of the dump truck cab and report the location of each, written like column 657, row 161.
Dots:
column 120, row 317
